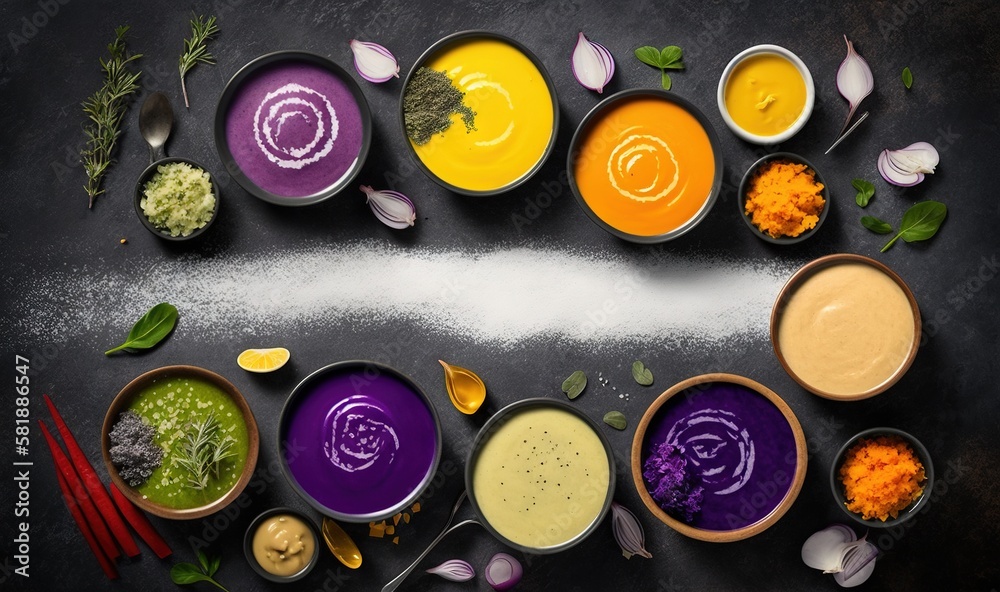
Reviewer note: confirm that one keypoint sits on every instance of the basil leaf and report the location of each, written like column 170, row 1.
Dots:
column 214, row 566
column 907, row 77
column 669, row 55
column 203, row 561
column 920, row 222
column 150, row 329
column 575, row 384
column 641, row 373
column 187, row 573
column 648, row 54
column 615, row 419
column 665, row 80
column 875, row 225
column 865, row 191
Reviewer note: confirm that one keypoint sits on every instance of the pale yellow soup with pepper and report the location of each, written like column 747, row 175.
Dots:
column 513, row 122
column 542, row 478
column 847, row 329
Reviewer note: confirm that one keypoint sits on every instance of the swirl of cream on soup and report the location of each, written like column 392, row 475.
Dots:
column 295, row 126
column 719, row 450
column 358, row 435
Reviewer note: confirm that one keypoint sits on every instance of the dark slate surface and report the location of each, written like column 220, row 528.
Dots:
column 948, row 398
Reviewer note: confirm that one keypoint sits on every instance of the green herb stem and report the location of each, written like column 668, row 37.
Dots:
column 105, row 110
column 196, row 49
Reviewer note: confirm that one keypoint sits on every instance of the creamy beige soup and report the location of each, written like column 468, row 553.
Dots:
column 847, row 329
column 542, row 478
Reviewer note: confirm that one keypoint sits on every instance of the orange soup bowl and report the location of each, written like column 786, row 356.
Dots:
column 645, row 165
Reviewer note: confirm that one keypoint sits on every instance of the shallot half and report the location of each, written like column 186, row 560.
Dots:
column 373, row 62
column 592, row 64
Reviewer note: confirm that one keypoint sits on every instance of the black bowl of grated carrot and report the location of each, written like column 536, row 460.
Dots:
column 783, row 198
column 882, row 477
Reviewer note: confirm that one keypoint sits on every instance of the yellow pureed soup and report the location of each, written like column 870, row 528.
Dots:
column 542, row 478
column 513, row 121
column 846, row 329
column 765, row 94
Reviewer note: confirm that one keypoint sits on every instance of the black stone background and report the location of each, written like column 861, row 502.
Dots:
column 948, row 398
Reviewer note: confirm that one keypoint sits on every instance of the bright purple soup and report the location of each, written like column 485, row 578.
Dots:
column 294, row 128
column 739, row 445
column 358, row 443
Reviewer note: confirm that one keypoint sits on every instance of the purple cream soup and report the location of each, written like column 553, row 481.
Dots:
column 294, row 128
column 360, row 443
column 739, row 446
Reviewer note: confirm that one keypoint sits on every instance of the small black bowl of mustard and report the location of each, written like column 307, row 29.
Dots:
column 282, row 545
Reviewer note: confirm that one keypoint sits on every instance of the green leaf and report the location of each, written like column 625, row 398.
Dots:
column 675, row 66
column 907, row 77
column 875, row 225
column 648, row 54
column 920, row 222
column 575, row 384
column 665, row 80
column 187, row 573
column 615, row 419
column 150, row 329
column 214, row 565
column 203, row 561
column 641, row 373
column 865, row 191
column 669, row 55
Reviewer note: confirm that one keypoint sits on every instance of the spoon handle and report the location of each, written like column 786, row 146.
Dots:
column 395, row 582
column 156, row 153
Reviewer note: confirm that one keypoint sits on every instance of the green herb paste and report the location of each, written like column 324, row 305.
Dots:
column 428, row 103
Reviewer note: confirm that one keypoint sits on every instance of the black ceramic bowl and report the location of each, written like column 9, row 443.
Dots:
column 148, row 174
column 252, row 530
column 461, row 37
column 745, row 186
column 915, row 506
column 594, row 117
column 227, row 97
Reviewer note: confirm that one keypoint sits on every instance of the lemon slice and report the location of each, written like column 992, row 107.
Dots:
column 263, row 360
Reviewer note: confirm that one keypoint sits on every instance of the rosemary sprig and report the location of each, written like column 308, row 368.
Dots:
column 203, row 448
column 105, row 109
column 195, row 50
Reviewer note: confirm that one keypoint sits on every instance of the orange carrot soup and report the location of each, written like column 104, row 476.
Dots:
column 646, row 166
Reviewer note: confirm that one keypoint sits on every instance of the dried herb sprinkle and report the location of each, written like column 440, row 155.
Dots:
column 428, row 103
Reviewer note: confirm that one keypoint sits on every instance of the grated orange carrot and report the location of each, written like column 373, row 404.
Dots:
column 784, row 199
column 881, row 477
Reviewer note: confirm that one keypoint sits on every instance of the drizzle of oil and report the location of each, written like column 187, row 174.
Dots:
column 341, row 544
column 466, row 390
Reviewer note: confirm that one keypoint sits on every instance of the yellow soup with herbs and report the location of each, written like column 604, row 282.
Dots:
column 765, row 94
column 645, row 166
column 514, row 115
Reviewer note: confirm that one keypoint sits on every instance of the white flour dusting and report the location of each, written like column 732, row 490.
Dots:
column 500, row 296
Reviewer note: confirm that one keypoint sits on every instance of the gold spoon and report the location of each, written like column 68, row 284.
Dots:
column 466, row 390
column 341, row 544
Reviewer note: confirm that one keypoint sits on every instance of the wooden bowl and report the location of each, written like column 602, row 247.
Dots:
column 122, row 402
column 788, row 291
column 653, row 421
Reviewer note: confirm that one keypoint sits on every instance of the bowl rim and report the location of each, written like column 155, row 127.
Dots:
column 222, row 143
column 144, row 178
column 742, row 198
column 627, row 95
column 720, row 536
column 914, row 507
column 252, row 530
column 344, row 366
column 807, row 109
column 494, row 423
column 803, row 273
column 437, row 47
column 120, row 403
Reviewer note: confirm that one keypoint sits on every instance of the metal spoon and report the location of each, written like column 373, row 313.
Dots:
column 341, row 544
column 395, row 582
column 156, row 117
